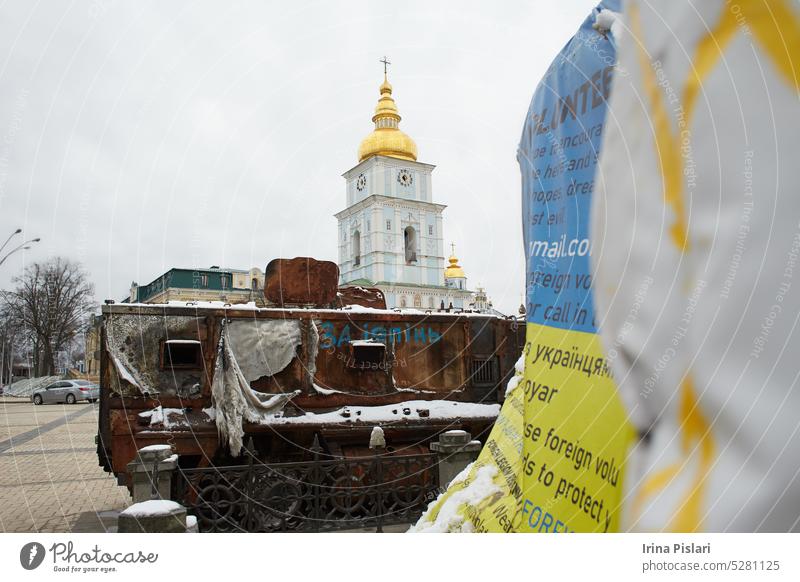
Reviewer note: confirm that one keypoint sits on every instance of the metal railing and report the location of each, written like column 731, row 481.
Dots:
column 322, row 494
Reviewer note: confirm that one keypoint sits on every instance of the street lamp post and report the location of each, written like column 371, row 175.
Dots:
column 22, row 246
column 12, row 235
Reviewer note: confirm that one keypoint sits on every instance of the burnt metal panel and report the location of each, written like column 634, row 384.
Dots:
column 139, row 340
column 420, row 354
column 364, row 296
column 482, row 336
column 301, row 281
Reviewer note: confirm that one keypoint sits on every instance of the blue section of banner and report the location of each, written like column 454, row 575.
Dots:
column 558, row 158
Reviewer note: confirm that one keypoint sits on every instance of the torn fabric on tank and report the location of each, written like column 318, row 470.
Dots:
column 249, row 350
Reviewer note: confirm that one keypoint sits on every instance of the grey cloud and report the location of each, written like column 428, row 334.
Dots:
column 137, row 136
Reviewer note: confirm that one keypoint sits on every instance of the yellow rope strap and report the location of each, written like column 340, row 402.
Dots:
column 667, row 146
column 776, row 26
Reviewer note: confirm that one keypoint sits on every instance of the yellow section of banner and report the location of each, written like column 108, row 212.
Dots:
column 554, row 460
column 575, row 434
column 487, row 496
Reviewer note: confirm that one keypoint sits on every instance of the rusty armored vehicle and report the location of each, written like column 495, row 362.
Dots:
column 316, row 369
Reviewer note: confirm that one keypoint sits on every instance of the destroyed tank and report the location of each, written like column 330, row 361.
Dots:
column 315, row 365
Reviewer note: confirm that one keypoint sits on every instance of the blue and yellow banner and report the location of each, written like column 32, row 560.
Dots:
column 555, row 458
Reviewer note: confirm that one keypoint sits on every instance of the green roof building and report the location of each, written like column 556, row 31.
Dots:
column 212, row 284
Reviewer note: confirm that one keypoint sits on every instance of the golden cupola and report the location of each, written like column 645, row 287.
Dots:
column 387, row 139
column 454, row 270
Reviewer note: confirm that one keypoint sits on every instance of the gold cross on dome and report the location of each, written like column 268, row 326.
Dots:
column 386, row 63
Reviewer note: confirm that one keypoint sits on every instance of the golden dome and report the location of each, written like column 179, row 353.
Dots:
column 454, row 270
column 387, row 139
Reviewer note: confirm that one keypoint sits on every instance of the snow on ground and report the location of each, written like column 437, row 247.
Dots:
column 449, row 518
column 326, row 391
column 155, row 448
column 288, row 311
column 172, row 417
column 519, row 367
column 367, row 342
column 209, row 304
column 608, row 20
column 160, row 415
column 513, row 383
column 361, row 309
column 415, row 390
column 377, row 438
column 24, row 388
column 403, row 411
column 151, row 507
column 191, row 524
column 388, row 413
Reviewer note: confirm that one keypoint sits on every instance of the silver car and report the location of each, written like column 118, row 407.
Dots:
column 69, row 391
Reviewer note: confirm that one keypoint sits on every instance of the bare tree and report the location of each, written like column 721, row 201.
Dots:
column 50, row 305
column 8, row 335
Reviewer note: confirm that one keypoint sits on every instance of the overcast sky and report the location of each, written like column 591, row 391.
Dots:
column 139, row 136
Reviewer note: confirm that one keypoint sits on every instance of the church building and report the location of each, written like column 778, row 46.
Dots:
column 391, row 232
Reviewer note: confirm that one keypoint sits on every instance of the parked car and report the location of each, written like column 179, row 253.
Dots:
column 69, row 391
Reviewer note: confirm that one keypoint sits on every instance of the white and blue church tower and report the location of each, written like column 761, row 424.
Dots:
column 390, row 233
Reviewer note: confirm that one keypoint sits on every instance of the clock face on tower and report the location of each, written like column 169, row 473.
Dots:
column 361, row 182
column 405, row 178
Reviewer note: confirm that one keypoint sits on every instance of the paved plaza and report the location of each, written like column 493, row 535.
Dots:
column 49, row 477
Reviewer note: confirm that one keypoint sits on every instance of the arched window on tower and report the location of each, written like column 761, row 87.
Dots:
column 410, row 239
column 356, row 248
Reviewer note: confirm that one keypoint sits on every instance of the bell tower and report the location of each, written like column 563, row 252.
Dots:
column 390, row 232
